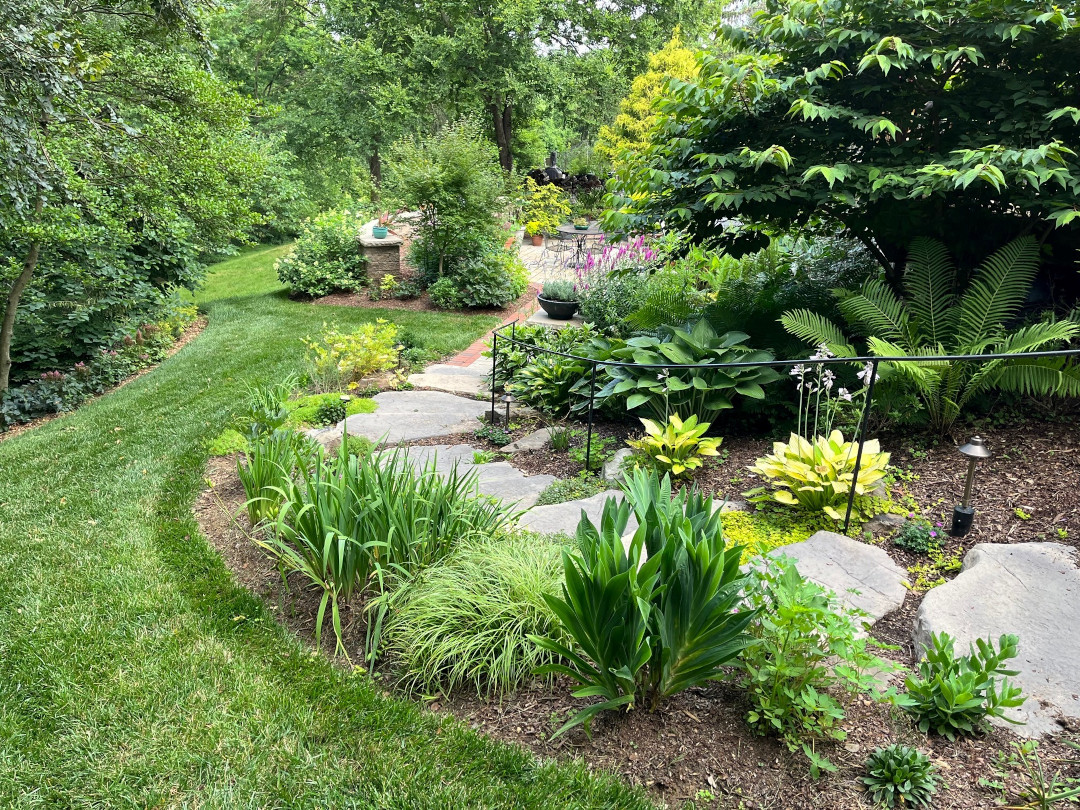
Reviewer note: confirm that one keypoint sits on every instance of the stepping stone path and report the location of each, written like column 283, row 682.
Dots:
column 468, row 380
column 496, row 478
column 1031, row 590
column 861, row 576
column 832, row 560
column 404, row 416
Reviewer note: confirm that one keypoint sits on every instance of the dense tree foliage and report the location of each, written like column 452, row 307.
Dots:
column 126, row 160
column 944, row 118
column 637, row 112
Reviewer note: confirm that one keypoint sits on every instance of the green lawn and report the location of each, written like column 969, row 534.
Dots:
column 134, row 673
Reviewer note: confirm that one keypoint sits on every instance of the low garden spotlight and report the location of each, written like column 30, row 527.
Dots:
column 964, row 514
column 508, row 400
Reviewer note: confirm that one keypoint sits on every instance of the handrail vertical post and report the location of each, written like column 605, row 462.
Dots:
column 494, row 369
column 862, row 440
column 592, row 400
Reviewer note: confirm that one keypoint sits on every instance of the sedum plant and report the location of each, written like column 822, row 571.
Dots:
column 642, row 631
column 818, row 476
column 676, row 447
column 900, row 776
column 936, row 315
column 953, row 695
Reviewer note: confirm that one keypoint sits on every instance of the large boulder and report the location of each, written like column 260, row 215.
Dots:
column 1031, row 590
column 862, row 576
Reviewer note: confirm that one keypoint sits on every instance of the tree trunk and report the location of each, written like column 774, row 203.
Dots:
column 502, row 119
column 375, row 166
column 7, row 326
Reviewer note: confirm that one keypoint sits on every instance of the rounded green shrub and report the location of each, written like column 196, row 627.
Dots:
column 327, row 256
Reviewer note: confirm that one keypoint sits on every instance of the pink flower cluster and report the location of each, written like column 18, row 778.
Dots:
column 596, row 267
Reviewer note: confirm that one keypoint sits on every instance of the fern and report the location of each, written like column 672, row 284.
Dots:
column 930, row 283
column 815, row 330
column 997, row 291
column 935, row 320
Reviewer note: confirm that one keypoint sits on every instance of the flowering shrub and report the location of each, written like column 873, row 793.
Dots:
column 338, row 358
column 327, row 256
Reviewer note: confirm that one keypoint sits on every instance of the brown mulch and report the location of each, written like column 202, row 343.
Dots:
column 188, row 335
column 422, row 303
column 698, row 741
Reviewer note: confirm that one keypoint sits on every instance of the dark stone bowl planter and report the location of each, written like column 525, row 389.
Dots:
column 558, row 310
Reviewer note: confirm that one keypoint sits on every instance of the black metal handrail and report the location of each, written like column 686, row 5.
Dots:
column 872, row 361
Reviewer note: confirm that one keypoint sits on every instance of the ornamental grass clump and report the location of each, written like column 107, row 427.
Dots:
column 348, row 521
column 467, row 620
column 640, row 632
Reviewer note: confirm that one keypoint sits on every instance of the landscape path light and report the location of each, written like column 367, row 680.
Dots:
column 964, row 514
column 345, row 400
column 508, row 400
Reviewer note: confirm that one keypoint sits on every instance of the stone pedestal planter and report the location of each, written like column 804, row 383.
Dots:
column 559, row 310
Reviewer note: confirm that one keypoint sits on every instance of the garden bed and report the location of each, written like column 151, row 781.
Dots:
column 423, row 303
column 189, row 334
column 697, row 746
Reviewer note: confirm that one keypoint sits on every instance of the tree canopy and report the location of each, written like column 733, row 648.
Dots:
column 944, row 118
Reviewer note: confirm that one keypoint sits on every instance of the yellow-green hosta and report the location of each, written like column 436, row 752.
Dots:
column 818, row 476
column 676, row 447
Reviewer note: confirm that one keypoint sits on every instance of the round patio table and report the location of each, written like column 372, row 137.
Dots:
column 581, row 238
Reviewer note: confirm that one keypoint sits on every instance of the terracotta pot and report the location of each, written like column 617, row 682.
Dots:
column 537, row 239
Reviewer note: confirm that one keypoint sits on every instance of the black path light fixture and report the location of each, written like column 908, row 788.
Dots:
column 508, row 401
column 964, row 514
column 345, row 400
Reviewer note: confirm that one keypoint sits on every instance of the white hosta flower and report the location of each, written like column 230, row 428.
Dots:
column 844, row 394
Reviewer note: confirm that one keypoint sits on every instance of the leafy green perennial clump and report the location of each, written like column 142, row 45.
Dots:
column 954, row 695
column 899, row 775
column 644, row 631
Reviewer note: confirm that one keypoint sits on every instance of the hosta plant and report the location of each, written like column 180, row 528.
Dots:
column 954, row 695
column 677, row 447
column 819, row 476
column 642, row 631
column 900, row 776
column 646, row 385
column 937, row 315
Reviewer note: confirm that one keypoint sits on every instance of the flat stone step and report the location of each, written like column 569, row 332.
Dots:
column 1031, row 590
column 541, row 318
column 861, row 576
column 410, row 415
column 468, row 380
column 496, row 478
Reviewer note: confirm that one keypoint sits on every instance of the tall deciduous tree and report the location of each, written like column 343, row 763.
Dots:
column 489, row 57
column 637, row 114
column 945, row 118
column 116, row 184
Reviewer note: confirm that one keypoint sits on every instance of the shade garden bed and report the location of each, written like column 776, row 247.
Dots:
column 697, row 747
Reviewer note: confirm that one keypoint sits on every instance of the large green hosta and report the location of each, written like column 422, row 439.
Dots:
column 938, row 317
column 818, row 476
column 702, row 392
